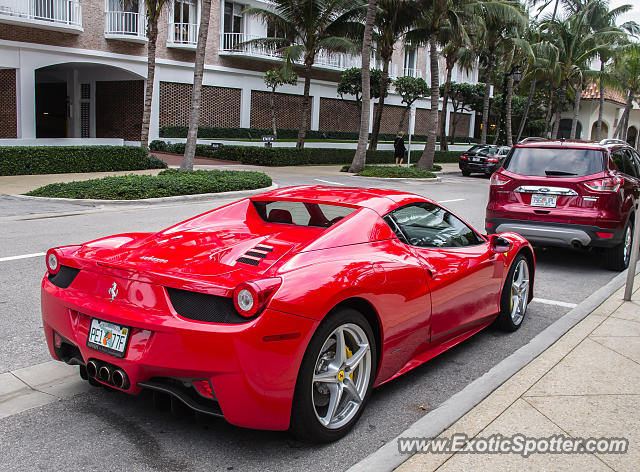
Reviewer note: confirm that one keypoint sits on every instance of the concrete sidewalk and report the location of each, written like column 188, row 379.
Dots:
column 586, row 385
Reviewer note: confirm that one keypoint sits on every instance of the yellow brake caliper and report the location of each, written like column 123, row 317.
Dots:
column 349, row 354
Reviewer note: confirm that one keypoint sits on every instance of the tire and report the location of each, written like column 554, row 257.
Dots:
column 617, row 258
column 311, row 418
column 466, row 173
column 511, row 317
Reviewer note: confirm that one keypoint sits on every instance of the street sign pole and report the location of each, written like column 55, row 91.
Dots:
column 634, row 257
column 412, row 124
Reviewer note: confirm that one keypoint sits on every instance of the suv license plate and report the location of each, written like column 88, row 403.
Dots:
column 547, row 201
column 108, row 337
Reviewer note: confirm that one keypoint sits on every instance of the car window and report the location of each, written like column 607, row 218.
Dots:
column 624, row 162
column 630, row 164
column 555, row 162
column 428, row 225
column 301, row 213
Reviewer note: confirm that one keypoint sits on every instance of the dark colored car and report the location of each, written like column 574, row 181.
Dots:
column 568, row 193
column 483, row 159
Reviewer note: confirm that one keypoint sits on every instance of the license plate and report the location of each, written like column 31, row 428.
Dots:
column 475, row 159
column 547, row 201
column 108, row 337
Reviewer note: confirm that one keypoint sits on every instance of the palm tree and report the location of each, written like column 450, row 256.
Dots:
column 360, row 157
column 500, row 24
column 309, row 27
column 627, row 72
column 393, row 18
column 196, row 93
column 154, row 9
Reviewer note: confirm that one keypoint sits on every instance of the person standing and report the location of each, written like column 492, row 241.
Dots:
column 399, row 148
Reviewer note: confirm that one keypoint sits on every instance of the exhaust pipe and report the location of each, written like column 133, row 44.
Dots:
column 575, row 244
column 120, row 379
column 92, row 369
column 104, row 374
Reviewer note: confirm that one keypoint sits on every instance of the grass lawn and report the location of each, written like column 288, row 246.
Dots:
column 166, row 184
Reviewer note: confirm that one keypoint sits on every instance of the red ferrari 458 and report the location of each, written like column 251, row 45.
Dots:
column 282, row 310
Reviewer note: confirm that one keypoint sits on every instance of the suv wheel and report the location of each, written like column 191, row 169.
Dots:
column 466, row 173
column 617, row 258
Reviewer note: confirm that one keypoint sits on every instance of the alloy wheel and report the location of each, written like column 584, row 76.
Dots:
column 519, row 292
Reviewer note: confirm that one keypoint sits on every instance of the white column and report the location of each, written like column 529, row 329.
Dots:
column 26, row 94
column 472, row 123
column 315, row 112
column 371, row 117
column 245, row 108
column 154, row 124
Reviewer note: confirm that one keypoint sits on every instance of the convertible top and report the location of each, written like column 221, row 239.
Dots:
column 381, row 201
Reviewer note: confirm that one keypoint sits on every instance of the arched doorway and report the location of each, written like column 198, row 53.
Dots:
column 632, row 135
column 86, row 100
column 564, row 131
column 604, row 132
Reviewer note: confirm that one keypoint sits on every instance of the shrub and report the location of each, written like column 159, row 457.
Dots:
column 25, row 160
column 206, row 132
column 263, row 156
column 167, row 183
column 396, row 172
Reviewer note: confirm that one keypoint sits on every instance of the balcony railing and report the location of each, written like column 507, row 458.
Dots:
column 408, row 72
column 127, row 26
column 183, row 35
column 236, row 44
column 66, row 14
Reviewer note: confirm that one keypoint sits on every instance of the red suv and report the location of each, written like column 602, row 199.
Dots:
column 568, row 193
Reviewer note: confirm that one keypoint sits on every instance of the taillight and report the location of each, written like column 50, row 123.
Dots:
column 492, row 159
column 463, row 157
column 498, row 179
column 608, row 184
column 250, row 298
column 53, row 261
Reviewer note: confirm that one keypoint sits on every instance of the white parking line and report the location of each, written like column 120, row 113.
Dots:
column 554, row 302
column 329, row 182
column 453, row 200
column 23, row 256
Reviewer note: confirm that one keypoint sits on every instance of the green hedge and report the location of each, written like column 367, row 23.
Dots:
column 167, row 183
column 399, row 172
column 263, row 156
column 206, row 132
column 25, row 160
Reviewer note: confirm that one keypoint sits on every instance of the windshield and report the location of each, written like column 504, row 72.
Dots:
column 555, row 162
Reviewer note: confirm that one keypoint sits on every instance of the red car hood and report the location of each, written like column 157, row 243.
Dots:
column 192, row 253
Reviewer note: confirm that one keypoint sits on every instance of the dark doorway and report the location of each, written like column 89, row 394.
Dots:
column 51, row 110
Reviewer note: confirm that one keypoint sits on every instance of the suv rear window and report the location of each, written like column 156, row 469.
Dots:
column 555, row 162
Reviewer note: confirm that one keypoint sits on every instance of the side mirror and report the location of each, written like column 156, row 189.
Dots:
column 499, row 245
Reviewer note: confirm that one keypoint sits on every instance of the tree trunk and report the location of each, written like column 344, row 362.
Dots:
column 619, row 133
column 547, row 120
column 360, row 157
column 152, row 36
column 272, row 106
column 454, row 122
column 405, row 112
column 306, row 105
column 555, row 10
column 507, row 125
column 377, row 119
column 576, row 109
column 556, row 125
column 601, row 105
column 523, row 121
column 445, row 102
column 426, row 160
column 485, row 102
column 196, row 94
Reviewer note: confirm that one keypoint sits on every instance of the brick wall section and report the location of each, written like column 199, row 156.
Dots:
column 8, row 104
column 119, row 106
column 462, row 128
column 391, row 116
column 220, row 105
column 339, row 115
column 288, row 110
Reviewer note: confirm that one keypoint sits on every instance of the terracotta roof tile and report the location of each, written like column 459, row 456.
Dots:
column 592, row 92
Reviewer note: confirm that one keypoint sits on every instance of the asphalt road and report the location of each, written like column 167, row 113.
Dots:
column 108, row 431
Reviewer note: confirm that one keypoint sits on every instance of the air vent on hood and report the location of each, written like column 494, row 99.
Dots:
column 255, row 254
column 246, row 260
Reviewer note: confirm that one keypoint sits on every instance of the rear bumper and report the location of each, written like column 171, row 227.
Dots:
column 253, row 376
column 480, row 167
column 555, row 234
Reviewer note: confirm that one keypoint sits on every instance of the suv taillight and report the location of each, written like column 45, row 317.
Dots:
column 463, row 157
column 498, row 179
column 608, row 184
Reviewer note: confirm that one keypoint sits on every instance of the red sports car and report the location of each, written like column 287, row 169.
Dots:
column 282, row 310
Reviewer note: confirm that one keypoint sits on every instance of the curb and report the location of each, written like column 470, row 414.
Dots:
column 151, row 201
column 387, row 457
